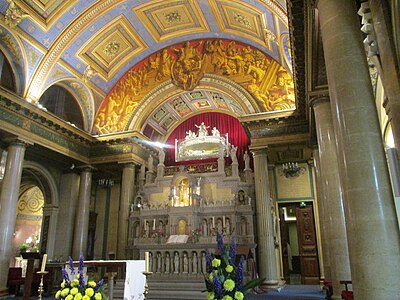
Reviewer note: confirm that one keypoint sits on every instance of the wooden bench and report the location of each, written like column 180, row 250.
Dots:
column 15, row 279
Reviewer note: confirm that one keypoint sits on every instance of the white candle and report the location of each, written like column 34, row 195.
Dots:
column 44, row 259
column 154, row 224
column 213, row 221
column 146, row 261
column 223, row 221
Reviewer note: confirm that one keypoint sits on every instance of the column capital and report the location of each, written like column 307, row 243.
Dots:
column 318, row 99
column 86, row 168
column 17, row 141
column 261, row 151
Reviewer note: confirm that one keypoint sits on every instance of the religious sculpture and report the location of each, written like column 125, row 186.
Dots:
column 246, row 158
column 161, row 156
column 185, row 263
column 195, row 262
column 233, row 154
column 167, row 263
column 176, row 263
column 202, row 129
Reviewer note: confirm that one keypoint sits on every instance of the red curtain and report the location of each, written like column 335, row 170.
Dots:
column 224, row 123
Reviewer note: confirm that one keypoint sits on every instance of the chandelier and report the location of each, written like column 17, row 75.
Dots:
column 291, row 169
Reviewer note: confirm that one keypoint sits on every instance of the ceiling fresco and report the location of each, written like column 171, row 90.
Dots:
column 114, row 55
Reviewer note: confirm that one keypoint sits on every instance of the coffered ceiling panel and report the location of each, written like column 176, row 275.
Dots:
column 237, row 17
column 167, row 19
column 112, row 47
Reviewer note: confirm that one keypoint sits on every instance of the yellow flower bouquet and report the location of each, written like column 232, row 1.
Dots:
column 224, row 278
column 75, row 287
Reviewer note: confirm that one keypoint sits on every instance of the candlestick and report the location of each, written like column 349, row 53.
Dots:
column 146, row 261
column 41, row 274
column 44, row 259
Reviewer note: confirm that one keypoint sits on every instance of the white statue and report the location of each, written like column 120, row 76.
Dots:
column 176, row 263
column 150, row 163
column 185, row 263
column 167, row 263
column 233, row 154
column 161, row 156
column 246, row 158
column 195, row 262
column 202, row 129
column 215, row 131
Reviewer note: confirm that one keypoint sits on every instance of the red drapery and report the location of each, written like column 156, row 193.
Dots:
column 224, row 123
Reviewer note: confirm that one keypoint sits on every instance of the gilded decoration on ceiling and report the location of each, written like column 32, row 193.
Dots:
column 173, row 17
column 111, row 49
column 14, row 15
column 269, row 83
column 8, row 41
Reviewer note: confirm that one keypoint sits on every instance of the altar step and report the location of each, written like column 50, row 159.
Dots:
column 177, row 289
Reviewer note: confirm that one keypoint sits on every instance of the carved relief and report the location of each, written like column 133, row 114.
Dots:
column 269, row 83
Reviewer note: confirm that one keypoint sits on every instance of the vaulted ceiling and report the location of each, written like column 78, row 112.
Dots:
column 99, row 49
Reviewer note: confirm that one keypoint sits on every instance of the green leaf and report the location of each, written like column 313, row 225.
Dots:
column 253, row 283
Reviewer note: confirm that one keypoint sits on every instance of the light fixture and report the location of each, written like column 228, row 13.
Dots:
column 105, row 183
column 292, row 169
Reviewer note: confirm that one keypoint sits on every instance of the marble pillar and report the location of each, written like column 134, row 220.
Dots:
column 371, row 223
column 332, row 202
column 69, row 194
column 8, row 206
column 127, row 187
column 79, row 245
column 394, row 167
column 264, row 218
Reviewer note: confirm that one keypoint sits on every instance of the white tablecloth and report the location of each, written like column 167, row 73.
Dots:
column 134, row 280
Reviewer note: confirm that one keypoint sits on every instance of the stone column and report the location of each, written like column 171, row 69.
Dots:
column 372, row 229
column 8, row 206
column 265, row 232
column 393, row 162
column 127, row 185
column 325, row 266
column 332, row 202
column 79, row 245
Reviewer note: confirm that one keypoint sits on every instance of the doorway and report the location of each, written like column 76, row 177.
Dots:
column 299, row 243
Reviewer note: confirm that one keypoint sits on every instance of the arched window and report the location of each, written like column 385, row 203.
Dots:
column 61, row 103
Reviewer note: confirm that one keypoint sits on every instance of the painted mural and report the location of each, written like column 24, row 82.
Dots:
column 185, row 64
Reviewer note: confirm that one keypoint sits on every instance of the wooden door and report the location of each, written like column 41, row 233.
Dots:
column 307, row 245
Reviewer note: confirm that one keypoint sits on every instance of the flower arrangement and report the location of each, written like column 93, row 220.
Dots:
column 195, row 234
column 224, row 278
column 157, row 235
column 76, row 288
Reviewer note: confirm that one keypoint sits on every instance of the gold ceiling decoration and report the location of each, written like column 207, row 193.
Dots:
column 111, row 47
column 168, row 19
column 14, row 15
column 270, row 84
column 237, row 17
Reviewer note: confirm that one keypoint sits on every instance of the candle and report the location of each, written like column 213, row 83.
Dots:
column 213, row 221
column 154, row 224
column 44, row 259
column 223, row 221
column 146, row 261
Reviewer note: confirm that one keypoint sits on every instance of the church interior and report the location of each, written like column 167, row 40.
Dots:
column 141, row 130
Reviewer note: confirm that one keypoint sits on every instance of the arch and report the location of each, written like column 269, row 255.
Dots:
column 12, row 49
column 79, row 94
column 45, row 181
column 165, row 91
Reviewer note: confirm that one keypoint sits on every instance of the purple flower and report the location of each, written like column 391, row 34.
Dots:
column 65, row 275
column 220, row 243
column 98, row 285
column 80, row 270
column 71, row 265
column 217, row 287
column 209, row 262
column 239, row 275
column 232, row 251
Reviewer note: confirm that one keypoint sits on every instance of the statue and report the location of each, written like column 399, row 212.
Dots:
column 161, row 156
column 167, row 263
column 176, row 263
column 202, row 129
column 150, row 163
column 215, row 131
column 228, row 226
column 159, row 262
column 233, row 154
column 246, row 158
column 185, row 263
column 203, row 262
column 195, row 262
